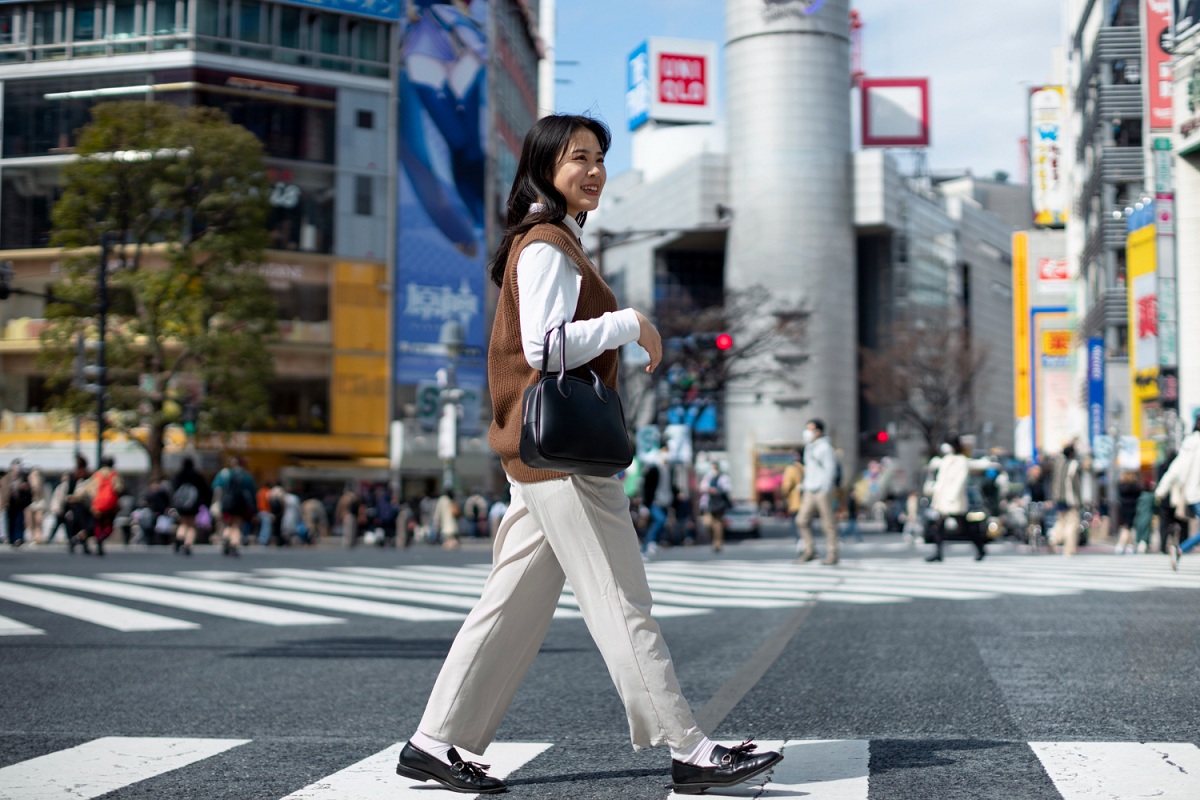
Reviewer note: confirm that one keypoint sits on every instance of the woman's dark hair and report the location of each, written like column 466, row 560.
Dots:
column 545, row 143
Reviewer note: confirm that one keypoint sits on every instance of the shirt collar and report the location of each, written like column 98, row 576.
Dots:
column 568, row 220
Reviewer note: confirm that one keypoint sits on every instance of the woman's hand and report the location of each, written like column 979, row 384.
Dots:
column 649, row 340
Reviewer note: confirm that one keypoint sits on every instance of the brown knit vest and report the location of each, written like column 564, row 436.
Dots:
column 509, row 374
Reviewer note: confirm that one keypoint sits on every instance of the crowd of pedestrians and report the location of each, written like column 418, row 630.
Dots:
column 85, row 509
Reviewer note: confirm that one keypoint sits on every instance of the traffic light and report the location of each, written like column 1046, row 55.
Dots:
column 189, row 418
column 882, row 437
column 723, row 341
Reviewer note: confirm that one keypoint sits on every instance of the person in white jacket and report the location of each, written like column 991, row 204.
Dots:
column 1180, row 485
column 949, row 498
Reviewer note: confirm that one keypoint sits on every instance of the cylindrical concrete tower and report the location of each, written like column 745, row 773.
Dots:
column 787, row 66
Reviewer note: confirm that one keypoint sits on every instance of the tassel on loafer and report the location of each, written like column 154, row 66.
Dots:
column 457, row 776
column 730, row 766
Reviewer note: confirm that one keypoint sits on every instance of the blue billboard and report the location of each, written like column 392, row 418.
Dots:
column 441, row 228
column 378, row 9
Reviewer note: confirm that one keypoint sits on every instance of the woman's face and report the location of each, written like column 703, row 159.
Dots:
column 580, row 174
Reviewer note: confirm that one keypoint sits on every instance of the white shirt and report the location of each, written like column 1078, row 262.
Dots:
column 820, row 466
column 548, row 284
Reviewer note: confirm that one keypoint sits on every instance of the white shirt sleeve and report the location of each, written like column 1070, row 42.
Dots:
column 548, row 290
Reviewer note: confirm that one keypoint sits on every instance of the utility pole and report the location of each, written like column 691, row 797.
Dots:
column 101, row 324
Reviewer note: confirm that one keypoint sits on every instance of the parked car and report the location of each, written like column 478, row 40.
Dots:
column 742, row 521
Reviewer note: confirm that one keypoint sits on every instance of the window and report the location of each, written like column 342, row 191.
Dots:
column 363, row 191
column 250, row 27
column 164, row 17
column 9, row 21
column 85, row 22
column 366, row 119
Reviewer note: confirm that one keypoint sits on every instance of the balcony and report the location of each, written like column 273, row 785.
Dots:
column 1122, row 101
column 1110, row 310
column 1122, row 164
column 1112, row 44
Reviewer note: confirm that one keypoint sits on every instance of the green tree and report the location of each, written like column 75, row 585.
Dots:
column 182, row 196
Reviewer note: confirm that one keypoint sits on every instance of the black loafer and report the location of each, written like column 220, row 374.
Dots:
column 730, row 766
column 457, row 776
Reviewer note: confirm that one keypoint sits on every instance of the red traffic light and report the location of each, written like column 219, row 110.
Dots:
column 882, row 437
column 724, row 341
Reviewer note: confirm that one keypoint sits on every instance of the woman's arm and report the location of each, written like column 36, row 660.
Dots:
column 548, row 291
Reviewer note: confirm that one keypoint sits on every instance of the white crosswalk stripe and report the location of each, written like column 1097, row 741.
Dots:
column 11, row 627
column 812, row 769
column 428, row 593
column 104, row 765
column 1125, row 770
column 215, row 606
column 105, row 614
column 376, row 777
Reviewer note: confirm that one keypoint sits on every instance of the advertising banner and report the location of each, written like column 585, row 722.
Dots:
column 1160, row 81
column 441, row 243
column 671, row 80
column 1047, row 115
column 1054, row 379
column 1095, row 381
column 378, row 9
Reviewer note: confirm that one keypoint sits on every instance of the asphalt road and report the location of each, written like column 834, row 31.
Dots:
column 1022, row 676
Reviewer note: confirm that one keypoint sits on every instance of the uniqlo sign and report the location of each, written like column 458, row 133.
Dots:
column 681, row 79
column 671, row 80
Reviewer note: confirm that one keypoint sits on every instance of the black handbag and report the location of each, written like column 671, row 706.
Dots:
column 571, row 423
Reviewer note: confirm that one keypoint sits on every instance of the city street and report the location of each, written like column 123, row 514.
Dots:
column 300, row 673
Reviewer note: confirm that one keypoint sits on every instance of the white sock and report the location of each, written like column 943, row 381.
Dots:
column 432, row 746
column 696, row 756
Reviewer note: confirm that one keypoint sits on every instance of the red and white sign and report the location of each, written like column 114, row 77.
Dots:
column 675, row 80
column 1053, row 269
column 895, row 112
column 682, row 79
column 1159, row 79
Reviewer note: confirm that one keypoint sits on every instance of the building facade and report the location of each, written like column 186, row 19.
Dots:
column 319, row 83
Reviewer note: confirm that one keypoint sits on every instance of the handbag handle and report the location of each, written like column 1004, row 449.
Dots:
column 563, row 389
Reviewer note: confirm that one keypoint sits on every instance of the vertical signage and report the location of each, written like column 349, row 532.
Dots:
column 637, row 94
column 1024, row 395
column 1095, row 382
column 441, row 243
column 1160, row 82
column 1047, row 114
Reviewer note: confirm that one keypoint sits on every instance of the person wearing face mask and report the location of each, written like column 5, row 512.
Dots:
column 949, row 497
column 820, row 481
column 559, row 526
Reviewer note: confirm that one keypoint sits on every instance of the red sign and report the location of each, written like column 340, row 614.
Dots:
column 1053, row 269
column 681, row 79
column 1147, row 316
column 1158, row 77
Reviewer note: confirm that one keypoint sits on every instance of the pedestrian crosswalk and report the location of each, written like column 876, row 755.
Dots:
column 428, row 593
column 813, row 769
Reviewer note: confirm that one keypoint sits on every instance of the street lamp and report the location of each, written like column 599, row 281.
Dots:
column 452, row 340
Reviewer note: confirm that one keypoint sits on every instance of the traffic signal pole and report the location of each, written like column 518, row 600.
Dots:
column 101, row 325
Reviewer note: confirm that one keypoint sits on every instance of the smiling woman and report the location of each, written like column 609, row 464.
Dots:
column 580, row 174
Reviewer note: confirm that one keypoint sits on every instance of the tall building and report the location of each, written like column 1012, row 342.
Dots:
column 1187, row 199
column 323, row 84
column 1123, row 132
column 791, row 193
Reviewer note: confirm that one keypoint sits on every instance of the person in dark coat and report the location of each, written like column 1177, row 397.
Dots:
column 189, row 491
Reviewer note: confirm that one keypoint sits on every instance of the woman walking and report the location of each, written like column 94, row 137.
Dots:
column 560, row 526
column 189, row 491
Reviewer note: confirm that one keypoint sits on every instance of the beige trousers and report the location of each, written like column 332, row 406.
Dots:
column 577, row 528
column 1066, row 531
column 820, row 503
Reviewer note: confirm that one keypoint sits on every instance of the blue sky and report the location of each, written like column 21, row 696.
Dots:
column 980, row 58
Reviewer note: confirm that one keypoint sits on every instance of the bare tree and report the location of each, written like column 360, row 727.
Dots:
column 927, row 374
column 766, row 342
